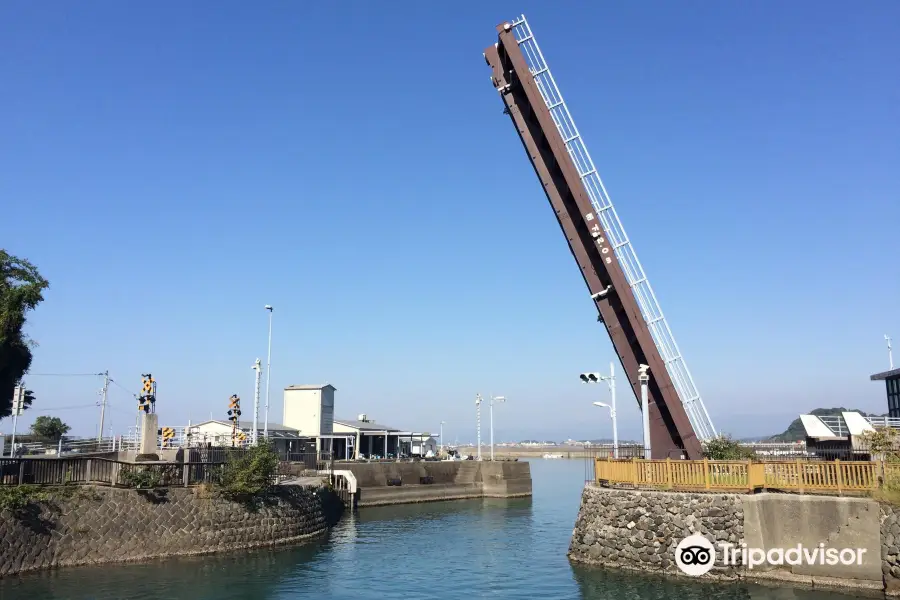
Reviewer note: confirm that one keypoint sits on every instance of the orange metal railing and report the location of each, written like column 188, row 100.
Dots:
column 792, row 476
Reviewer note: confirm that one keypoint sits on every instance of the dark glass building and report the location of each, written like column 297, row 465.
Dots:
column 892, row 382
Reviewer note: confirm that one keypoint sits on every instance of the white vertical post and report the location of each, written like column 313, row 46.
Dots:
column 492, row 426
column 268, row 374
column 441, row 450
column 478, row 421
column 887, row 338
column 18, row 397
column 103, row 405
column 644, row 378
column 254, row 435
column 612, row 401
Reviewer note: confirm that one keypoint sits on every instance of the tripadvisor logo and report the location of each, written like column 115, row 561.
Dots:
column 695, row 555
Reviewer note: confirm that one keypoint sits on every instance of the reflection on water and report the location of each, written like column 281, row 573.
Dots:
column 473, row 548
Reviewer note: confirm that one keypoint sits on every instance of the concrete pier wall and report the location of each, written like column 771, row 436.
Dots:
column 453, row 480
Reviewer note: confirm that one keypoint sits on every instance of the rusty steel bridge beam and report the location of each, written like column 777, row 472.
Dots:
column 671, row 432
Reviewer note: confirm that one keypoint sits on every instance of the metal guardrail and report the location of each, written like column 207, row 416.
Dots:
column 798, row 476
column 103, row 471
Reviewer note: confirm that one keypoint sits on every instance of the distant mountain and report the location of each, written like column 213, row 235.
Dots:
column 795, row 431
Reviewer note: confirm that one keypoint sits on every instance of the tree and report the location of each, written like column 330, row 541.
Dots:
column 723, row 447
column 21, row 290
column 49, row 427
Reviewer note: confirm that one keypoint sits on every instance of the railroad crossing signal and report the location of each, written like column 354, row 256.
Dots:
column 147, row 400
column 234, row 408
column 234, row 412
column 167, row 434
column 241, row 437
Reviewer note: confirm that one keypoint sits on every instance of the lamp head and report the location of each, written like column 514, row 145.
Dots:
column 269, row 307
column 603, row 404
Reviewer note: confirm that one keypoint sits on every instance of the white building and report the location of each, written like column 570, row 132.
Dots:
column 286, row 440
column 363, row 437
column 310, row 410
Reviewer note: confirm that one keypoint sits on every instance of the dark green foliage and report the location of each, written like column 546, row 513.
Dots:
column 21, row 290
column 140, row 479
column 249, row 474
column 725, row 448
column 51, row 428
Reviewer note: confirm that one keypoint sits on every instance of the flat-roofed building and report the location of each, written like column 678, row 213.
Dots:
column 891, row 381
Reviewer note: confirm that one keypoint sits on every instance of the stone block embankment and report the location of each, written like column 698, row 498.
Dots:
column 93, row 525
column 640, row 530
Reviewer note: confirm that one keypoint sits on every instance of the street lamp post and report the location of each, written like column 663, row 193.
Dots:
column 644, row 378
column 254, row 436
column 441, row 449
column 493, row 399
column 887, row 338
column 478, row 421
column 611, row 382
column 268, row 374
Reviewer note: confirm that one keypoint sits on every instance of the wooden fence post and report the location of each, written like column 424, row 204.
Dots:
column 799, row 476
column 749, row 476
column 634, row 470
column 837, row 468
column 706, row 473
column 669, row 482
column 87, row 471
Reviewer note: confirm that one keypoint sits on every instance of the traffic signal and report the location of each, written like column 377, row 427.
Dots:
column 590, row 377
column 20, row 401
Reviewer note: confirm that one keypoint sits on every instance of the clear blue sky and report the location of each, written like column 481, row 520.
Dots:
column 172, row 167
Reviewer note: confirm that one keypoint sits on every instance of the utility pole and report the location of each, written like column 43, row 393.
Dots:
column 254, row 437
column 103, row 405
column 268, row 374
column 887, row 338
column 644, row 378
column 441, row 450
column 478, row 421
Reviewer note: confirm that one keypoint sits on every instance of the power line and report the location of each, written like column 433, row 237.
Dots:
column 65, row 408
column 63, row 374
column 111, row 380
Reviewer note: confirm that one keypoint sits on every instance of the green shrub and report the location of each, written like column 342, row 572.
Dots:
column 14, row 498
column 249, row 474
column 140, row 479
column 722, row 447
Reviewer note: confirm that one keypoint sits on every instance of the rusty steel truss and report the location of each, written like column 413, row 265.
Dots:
column 671, row 431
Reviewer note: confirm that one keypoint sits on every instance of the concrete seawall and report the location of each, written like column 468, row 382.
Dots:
column 95, row 525
column 640, row 529
column 453, row 480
